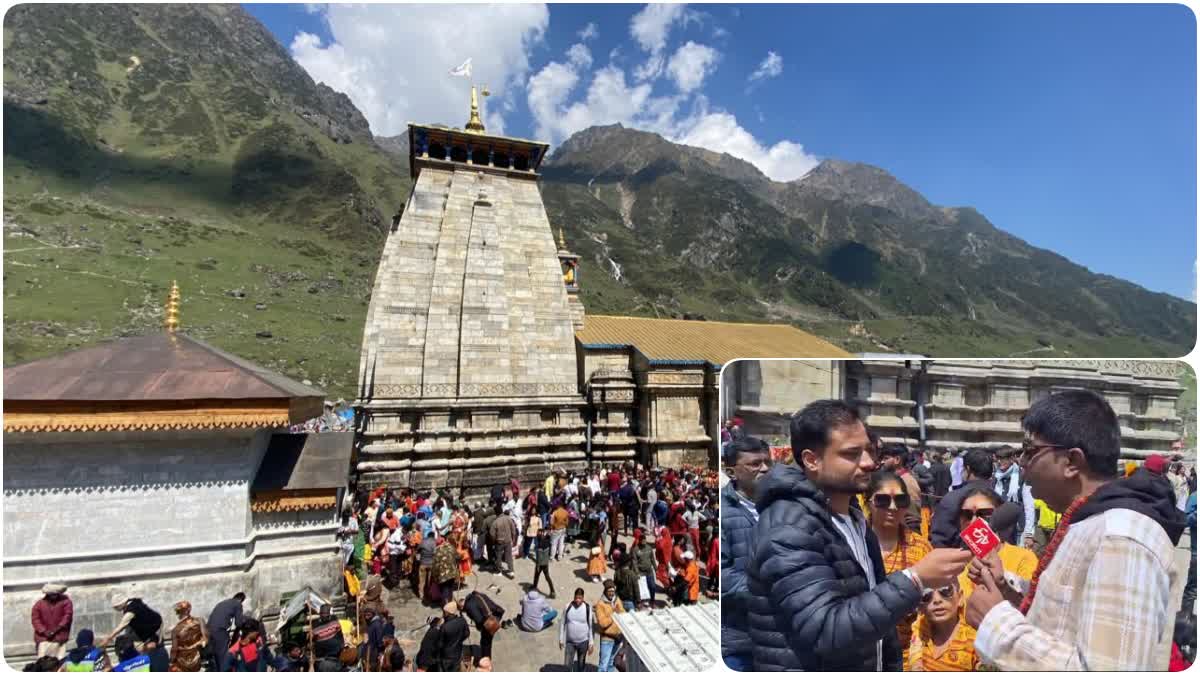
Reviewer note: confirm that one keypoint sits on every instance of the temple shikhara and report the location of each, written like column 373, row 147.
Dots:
column 478, row 361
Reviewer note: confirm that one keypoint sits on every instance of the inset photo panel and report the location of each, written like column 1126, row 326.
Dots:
column 917, row 514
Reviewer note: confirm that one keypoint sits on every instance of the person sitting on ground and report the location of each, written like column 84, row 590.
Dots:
column 942, row 640
column 536, row 614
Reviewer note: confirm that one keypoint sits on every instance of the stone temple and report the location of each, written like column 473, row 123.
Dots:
column 954, row 403
column 478, row 362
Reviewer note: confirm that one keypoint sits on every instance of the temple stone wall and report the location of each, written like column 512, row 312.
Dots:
column 765, row 392
column 160, row 515
column 968, row 403
column 469, row 372
column 676, row 425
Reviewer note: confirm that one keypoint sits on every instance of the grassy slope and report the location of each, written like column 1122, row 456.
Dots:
column 191, row 182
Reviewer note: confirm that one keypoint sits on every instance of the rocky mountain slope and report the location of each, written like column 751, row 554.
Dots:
column 146, row 143
column 847, row 251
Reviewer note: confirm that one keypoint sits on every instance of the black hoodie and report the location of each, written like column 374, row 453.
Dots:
column 1144, row 492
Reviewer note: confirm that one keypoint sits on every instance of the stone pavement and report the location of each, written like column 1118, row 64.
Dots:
column 513, row 649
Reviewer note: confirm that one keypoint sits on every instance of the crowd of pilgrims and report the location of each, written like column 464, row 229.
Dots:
column 432, row 543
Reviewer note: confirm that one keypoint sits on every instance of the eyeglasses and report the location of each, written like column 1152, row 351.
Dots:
column 757, row 463
column 946, row 592
column 883, row 501
column 972, row 514
column 1030, row 450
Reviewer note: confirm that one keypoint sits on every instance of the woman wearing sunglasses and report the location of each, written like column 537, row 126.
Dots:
column 942, row 641
column 984, row 503
column 887, row 502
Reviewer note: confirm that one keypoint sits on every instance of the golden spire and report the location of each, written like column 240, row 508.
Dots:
column 172, row 321
column 475, row 124
column 562, row 240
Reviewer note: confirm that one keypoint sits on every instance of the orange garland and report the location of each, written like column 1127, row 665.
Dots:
column 1060, row 533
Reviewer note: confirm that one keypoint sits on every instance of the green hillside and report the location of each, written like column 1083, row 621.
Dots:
column 210, row 158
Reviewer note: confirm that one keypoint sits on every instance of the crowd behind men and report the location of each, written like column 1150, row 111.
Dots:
column 432, row 544
column 850, row 558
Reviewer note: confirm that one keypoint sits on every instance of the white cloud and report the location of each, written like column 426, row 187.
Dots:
column 580, row 56
column 366, row 60
column 690, row 64
column 650, row 69
column 720, row 132
column 771, row 66
column 547, row 91
column 589, row 32
column 651, row 25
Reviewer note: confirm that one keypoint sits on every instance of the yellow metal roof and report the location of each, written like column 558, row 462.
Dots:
column 713, row 341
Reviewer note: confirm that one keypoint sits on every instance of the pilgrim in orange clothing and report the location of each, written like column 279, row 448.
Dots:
column 459, row 539
column 691, row 575
column 942, row 641
column 901, row 548
column 662, row 549
column 597, row 566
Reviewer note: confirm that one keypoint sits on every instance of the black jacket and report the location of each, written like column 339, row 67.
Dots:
column 226, row 611
column 812, row 607
column 477, row 611
column 450, row 644
column 943, row 524
column 940, row 471
column 737, row 531
column 1146, row 493
column 427, row 654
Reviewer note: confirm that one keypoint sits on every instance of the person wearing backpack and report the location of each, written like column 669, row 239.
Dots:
column 575, row 633
column 1011, row 486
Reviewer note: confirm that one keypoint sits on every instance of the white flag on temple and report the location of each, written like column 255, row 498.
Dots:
column 462, row 71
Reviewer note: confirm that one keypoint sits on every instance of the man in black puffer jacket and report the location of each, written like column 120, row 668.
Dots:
column 749, row 458
column 820, row 599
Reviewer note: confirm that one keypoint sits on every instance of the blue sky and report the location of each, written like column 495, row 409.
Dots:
column 1072, row 127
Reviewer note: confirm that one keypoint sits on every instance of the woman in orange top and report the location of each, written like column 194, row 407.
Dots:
column 691, row 576
column 901, row 548
column 942, row 641
column 459, row 539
